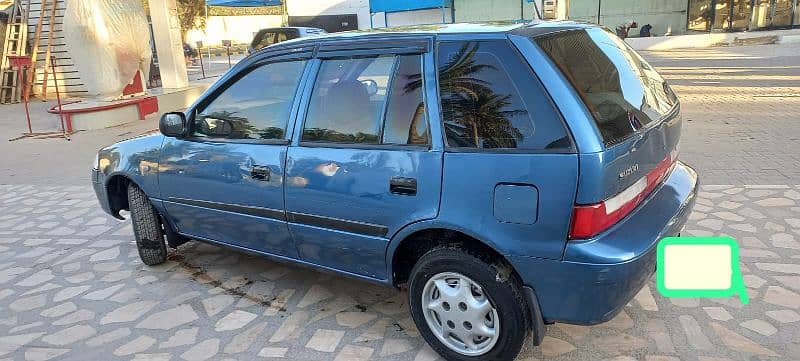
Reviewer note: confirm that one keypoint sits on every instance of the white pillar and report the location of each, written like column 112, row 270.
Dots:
column 562, row 10
column 167, row 35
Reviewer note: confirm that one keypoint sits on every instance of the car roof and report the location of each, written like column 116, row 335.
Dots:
column 533, row 28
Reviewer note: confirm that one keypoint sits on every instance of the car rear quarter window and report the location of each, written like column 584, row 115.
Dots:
column 256, row 106
column 621, row 90
column 491, row 99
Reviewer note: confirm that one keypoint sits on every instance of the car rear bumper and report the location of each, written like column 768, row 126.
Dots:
column 597, row 277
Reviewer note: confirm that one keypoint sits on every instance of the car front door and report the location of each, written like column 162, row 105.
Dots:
column 362, row 165
column 224, row 181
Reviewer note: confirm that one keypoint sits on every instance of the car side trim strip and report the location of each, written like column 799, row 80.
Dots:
column 276, row 214
column 367, row 229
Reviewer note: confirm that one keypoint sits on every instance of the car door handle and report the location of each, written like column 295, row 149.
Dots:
column 260, row 173
column 403, row 186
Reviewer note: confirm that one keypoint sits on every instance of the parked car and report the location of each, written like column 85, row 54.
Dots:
column 267, row 37
column 510, row 176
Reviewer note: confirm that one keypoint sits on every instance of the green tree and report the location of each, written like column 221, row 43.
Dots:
column 192, row 14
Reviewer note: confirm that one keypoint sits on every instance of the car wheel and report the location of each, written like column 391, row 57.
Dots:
column 146, row 228
column 466, row 306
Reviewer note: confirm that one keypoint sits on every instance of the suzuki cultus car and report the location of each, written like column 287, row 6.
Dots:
column 509, row 176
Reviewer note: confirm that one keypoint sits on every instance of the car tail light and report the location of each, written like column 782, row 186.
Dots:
column 591, row 219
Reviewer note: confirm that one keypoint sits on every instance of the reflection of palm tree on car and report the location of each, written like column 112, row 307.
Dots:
column 483, row 116
column 470, row 105
column 457, row 74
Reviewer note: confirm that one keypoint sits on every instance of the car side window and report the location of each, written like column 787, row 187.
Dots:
column 491, row 99
column 348, row 100
column 256, row 106
column 405, row 114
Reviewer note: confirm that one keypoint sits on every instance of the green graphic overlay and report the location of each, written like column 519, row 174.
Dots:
column 685, row 244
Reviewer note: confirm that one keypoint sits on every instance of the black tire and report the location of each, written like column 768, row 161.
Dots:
column 146, row 228
column 499, row 285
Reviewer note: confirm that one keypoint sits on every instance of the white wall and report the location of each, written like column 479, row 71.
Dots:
column 663, row 15
column 331, row 7
column 416, row 17
column 239, row 29
column 492, row 10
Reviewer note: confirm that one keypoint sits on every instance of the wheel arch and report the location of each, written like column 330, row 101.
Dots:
column 414, row 241
column 117, row 192
column 411, row 243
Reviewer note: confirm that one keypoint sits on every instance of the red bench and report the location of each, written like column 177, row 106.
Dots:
column 145, row 105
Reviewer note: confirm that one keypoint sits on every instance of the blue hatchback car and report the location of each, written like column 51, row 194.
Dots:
column 509, row 175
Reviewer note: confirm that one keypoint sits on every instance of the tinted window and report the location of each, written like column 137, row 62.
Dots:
column 622, row 91
column 256, row 106
column 405, row 114
column 482, row 105
column 266, row 38
column 347, row 102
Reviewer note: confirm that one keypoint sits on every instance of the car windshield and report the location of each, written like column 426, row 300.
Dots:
column 622, row 91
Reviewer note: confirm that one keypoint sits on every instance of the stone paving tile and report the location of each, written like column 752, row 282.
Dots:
column 740, row 107
column 104, row 303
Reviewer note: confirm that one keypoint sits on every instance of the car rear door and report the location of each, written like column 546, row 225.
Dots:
column 362, row 164
column 225, row 181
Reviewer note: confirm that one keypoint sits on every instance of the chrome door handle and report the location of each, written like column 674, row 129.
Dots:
column 403, row 186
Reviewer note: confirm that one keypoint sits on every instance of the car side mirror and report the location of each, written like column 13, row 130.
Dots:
column 173, row 124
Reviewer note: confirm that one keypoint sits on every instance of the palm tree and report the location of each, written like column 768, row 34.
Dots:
column 484, row 117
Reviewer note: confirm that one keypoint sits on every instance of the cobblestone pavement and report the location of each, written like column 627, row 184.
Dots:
column 740, row 106
column 72, row 286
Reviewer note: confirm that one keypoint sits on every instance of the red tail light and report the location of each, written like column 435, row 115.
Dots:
column 591, row 219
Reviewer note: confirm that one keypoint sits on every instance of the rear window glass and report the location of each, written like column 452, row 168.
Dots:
column 267, row 38
column 622, row 91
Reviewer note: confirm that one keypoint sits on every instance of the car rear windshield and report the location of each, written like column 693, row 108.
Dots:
column 622, row 91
